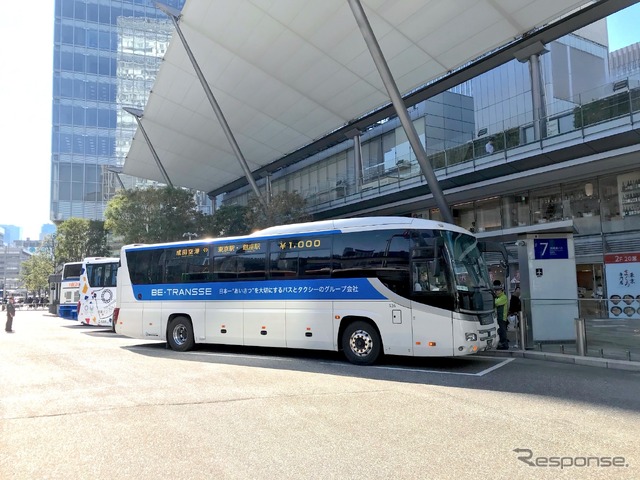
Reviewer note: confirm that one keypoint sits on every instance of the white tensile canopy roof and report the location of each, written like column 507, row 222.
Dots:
column 287, row 72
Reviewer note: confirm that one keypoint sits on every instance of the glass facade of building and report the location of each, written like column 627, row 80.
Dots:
column 99, row 66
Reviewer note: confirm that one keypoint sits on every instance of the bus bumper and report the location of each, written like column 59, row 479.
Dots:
column 480, row 340
column 69, row 312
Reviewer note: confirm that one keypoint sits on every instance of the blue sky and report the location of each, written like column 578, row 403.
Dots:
column 624, row 27
column 26, row 37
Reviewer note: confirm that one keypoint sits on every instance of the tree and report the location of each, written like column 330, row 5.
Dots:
column 36, row 270
column 97, row 240
column 78, row 238
column 152, row 215
column 48, row 247
column 227, row 221
column 71, row 240
column 283, row 209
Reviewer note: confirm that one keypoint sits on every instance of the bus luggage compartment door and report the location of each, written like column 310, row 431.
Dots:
column 264, row 323
column 310, row 324
column 152, row 320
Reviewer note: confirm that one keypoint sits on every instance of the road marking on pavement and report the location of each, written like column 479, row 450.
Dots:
column 495, row 367
column 377, row 367
column 442, row 372
column 217, row 354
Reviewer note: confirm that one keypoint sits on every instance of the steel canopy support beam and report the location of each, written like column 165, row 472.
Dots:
column 537, row 92
column 137, row 114
column 400, row 108
column 175, row 15
column 117, row 174
column 354, row 134
column 532, row 54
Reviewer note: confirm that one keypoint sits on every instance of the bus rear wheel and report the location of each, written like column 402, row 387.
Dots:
column 180, row 334
column 361, row 343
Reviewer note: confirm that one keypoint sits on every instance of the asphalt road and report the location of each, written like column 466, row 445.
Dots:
column 84, row 403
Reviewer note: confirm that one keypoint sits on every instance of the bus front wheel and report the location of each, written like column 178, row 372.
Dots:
column 180, row 334
column 361, row 343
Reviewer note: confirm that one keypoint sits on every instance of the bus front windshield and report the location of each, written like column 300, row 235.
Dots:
column 470, row 271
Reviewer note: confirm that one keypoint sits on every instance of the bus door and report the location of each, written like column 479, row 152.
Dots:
column 393, row 316
column 432, row 299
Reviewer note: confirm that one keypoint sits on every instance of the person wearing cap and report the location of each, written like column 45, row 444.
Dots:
column 501, row 312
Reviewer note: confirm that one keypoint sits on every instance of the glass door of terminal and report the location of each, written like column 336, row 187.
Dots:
column 591, row 290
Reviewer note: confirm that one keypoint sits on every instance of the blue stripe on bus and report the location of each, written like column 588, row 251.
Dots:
column 320, row 289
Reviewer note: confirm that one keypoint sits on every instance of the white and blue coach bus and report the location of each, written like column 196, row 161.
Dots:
column 69, row 290
column 97, row 291
column 365, row 286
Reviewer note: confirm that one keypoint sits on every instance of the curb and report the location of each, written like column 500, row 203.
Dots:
column 564, row 358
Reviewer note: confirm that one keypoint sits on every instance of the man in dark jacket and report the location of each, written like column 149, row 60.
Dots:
column 11, row 312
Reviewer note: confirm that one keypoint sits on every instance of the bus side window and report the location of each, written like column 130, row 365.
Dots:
column 225, row 268
column 252, row 267
column 314, row 264
column 283, row 265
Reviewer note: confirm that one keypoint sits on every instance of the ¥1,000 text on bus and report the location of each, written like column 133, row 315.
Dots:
column 98, row 290
column 365, row 286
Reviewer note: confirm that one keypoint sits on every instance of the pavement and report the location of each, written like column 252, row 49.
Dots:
column 81, row 402
column 567, row 358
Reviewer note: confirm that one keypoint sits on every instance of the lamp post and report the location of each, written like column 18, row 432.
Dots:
column 189, row 235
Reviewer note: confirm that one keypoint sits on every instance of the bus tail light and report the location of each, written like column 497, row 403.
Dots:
column 116, row 312
column 432, row 344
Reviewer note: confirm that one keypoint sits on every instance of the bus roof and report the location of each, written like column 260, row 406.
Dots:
column 343, row 225
column 354, row 224
column 101, row 260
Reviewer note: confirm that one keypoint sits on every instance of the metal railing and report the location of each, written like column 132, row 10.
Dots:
column 597, row 332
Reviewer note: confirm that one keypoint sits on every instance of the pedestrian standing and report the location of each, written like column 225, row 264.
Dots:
column 515, row 307
column 501, row 312
column 489, row 147
column 11, row 312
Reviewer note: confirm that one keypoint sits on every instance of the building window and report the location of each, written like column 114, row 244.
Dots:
column 488, row 214
column 580, row 200
column 546, row 205
column 515, row 210
column 464, row 216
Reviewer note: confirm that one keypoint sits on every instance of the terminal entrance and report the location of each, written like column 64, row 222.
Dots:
column 591, row 290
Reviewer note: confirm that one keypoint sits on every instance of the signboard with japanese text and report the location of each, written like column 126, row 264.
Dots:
column 550, row 248
column 621, row 272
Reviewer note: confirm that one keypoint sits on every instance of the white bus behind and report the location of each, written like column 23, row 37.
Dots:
column 98, row 291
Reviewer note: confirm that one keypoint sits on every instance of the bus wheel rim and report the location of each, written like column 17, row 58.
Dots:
column 361, row 343
column 180, row 334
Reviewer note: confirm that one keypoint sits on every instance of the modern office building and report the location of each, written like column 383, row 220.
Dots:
column 11, row 260
column 11, row 233
column 625, row 62
column 47, row 229
column 106, row 54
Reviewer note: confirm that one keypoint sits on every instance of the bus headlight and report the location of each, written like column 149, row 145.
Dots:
column 471, row 337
